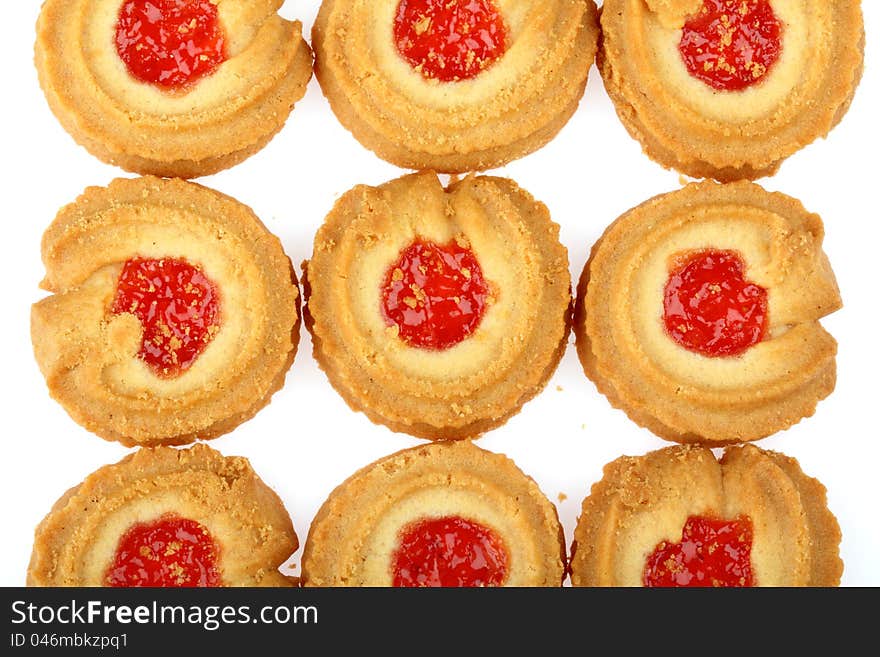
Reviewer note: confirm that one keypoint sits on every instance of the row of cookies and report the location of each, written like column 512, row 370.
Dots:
column 714, row 88
column 444, row 514
column 175, row 314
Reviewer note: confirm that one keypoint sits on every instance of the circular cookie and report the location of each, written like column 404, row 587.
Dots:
column 728, row 89
column 174, row 314
column 444, row 514
column 438, row 312
column 679, row 517
column 698, row 314
column 171, row 88
column 454, row 86
column 166, row 517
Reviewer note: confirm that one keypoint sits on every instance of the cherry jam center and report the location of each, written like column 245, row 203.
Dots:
column 178, row 307
column 731, row 44
column 168, row 552
column 435, row 295
column 449, row 551
column 711, row 553
column 170, row 43
column 709, row 307
column 449, row 40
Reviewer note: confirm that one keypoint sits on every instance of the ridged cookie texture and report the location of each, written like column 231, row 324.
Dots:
column 356, row 532
column 685, row 124
column 510, row 109
column 76, row 542
column 682, row 395
column 643, row 501
column 477, row 384
column 214, row 124
column 89, row 355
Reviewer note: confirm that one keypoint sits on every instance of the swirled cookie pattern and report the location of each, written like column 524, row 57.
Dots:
column 193, row 517
column 213, row 118
column 112, row 349
column 438, row 312
column 638, row 352
column 728, row 89
column 431, row 106
column 679, row 517
column 445, row 514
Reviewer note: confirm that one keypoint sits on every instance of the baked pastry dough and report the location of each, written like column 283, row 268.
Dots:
column 422, row 101
column 128, row 363
column 721, row 356
column 193, row 123
column 713, row 95
column 437, row 312
column 445, row 514
column 771, row 519
column 166, row 517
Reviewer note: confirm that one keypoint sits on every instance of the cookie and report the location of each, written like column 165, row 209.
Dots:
column 174, row 312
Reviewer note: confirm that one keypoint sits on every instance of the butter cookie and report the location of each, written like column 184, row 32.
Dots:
column 171, row 87
column 168, row 518
column 678, row 517
column 438, row 312
column 444, row 514
column 728, row 89
column 174, row 313
column 454, row 86
column 698, row 313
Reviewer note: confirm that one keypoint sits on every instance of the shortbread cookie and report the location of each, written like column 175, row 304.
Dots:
column 445, row 514
column 677, row 517
column 174, row 314
column 728, row 89
column 169, row 518
column 438, row 312
column 454, row 86
column 698, row 313
column 167, row 87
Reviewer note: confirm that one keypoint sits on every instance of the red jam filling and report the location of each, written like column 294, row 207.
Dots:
column 449, row 40
column 178, row 307
column 168, row 552
column 435, row 294
column 449, row 551
column 711, row 553
column 710, row 308
column 170, row 43
column 731, row 44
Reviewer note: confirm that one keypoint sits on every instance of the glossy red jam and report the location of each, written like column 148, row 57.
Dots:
column 178, row 307
column 434, row 294
column 710, row 308
column 449, row 551
column 167, row 552
column 731, row 44
column 449, row 40
column 711, row 553
column 170, row 43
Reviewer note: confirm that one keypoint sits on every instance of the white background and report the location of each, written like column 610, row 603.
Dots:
column 307, row 440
